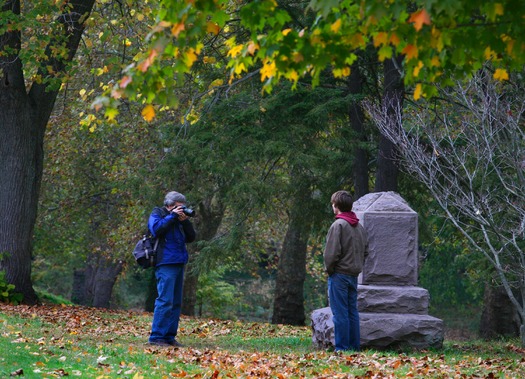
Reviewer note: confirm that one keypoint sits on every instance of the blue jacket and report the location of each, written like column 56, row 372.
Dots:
column 173, row 236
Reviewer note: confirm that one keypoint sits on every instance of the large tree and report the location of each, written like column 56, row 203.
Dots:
column 38, row 41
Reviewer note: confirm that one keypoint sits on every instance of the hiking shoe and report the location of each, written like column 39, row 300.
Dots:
column 159, row 343
column 175, row 343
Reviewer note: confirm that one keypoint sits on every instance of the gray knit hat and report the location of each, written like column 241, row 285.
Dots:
column 174, row 197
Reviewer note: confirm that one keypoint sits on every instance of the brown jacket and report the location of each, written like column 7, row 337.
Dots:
column 346, row 248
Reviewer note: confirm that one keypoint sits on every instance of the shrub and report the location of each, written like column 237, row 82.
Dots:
column 7, row 294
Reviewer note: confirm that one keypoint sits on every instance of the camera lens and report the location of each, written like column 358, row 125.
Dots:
column 188, row 211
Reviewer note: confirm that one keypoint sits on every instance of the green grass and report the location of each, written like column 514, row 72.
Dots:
column 51, row 342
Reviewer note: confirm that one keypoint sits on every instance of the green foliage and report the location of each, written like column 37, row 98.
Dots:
column 214, row 295
column 47, row 297
column 438, row 40
column 7, row 291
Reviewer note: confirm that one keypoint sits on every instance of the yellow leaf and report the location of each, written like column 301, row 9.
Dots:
column 286, row 31
column 357, row 40
column 498, row 9
column 239, row 68
column 341, row 72
column 410, row 51
column 209, row 60
column 190, row 57
column 111, row 113
column 380, row 38
column 435, row 62
column 336, row 26
column 489, row 53
column 293, row 76
column 148, row 112
column 418, row 68
column 418, row 91
column 268, row 70
column 436, row 40
column 216, row 83
column 501, row 74
column 385, row 52
column 212, row 27
column 420, row 18
column 234, row 51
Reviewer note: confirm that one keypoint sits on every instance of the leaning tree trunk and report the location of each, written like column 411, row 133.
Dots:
column 23, row 119
column 387, row 169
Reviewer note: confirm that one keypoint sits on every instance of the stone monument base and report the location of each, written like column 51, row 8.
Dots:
column 383, row 330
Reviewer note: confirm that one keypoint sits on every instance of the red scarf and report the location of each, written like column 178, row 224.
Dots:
column 350, row 217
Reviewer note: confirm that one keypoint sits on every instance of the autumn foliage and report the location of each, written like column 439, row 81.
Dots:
column 58, row 341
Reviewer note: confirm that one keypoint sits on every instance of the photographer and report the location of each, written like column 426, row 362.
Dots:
column 171, row 224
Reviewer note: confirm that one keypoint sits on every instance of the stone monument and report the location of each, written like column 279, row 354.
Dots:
column 393, row 310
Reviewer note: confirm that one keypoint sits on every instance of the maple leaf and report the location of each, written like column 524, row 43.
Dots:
column 268, row 70
column 212, row 27
column 501, row 74
column 380, row 38
column 410, row 51
column 252, row 47
column 125, row 81
column 394, row 39
column 234, row 51
column 418, row 91
column 336, row 26
column 417, row 68
column 190, row 57
column 177, row 28
column 148, row 113
column 143, row 66
column 419, row 18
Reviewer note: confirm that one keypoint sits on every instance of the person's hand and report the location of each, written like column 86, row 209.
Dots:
column 179, row 212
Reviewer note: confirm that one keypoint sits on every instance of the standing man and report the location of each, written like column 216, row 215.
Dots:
column 344, row 256
column 173, row 228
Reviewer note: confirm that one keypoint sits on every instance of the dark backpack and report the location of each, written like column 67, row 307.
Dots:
column 145, row 252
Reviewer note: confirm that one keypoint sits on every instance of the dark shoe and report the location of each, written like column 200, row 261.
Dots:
column 159, row 343
column 175, row 343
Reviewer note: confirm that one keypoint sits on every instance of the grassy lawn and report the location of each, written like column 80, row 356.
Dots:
column 58, row 341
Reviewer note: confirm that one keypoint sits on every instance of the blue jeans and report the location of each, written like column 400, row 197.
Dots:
column 168, row 304
column 342, row 292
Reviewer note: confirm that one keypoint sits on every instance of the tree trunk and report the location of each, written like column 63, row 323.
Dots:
column 288, row 306
column 99, row 277
column 499, row 316
column 357, row 117
column 387, row 169
column 206, row 222
column 23, row 119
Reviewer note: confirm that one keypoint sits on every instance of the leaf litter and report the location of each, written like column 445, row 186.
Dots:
column 212, row 356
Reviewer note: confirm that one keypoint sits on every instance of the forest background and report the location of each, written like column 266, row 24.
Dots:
column 259, row 168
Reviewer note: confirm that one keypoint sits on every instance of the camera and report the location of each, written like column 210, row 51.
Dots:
column 187, row 211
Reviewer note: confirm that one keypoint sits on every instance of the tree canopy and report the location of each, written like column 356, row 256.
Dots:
column 438, row 40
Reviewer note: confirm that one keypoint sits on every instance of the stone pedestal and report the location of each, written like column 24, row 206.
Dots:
column 392, row 309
